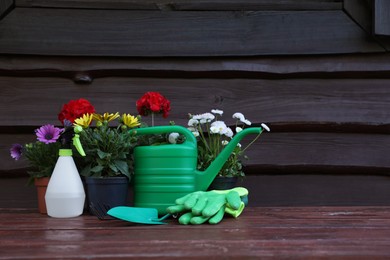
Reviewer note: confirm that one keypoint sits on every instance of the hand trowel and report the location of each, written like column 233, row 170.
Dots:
column 137, row 215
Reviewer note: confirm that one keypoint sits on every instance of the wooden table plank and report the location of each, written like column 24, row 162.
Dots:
column 297, row 232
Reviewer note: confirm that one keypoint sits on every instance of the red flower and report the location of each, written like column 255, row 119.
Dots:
column 153, row 102
column 75, row 109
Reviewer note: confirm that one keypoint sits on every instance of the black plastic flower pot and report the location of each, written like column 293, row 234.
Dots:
column 223, row 183
column 106, row 193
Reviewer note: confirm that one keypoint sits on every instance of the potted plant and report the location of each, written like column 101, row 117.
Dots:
column 107, row 166
column 42, row 156
column 213, row 134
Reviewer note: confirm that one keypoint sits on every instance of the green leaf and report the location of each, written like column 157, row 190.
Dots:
column 86, row 170
column 123, row 167
column 102, row 154
column 97, row 169
column 113, row 167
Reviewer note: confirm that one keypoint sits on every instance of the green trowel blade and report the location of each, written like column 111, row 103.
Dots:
column 137, row 215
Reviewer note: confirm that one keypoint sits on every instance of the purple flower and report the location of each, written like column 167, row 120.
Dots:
column 48, row 134
column 67, row 123
column 16, row 151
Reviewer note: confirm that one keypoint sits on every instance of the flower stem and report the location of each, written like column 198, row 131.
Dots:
column 254, row 140
column 203, row 138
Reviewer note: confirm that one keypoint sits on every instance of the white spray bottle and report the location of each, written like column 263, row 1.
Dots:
column 65, row 195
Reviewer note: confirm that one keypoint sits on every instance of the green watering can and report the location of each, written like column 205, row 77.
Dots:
column 163, row 173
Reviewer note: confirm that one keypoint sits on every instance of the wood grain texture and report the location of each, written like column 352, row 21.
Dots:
column 335, row 101
column 328, row 66
column 328, row 153
column 361, row 11
column 5, row 7
column 187, row 33
column 320, row 149
column 316, row 188
column 329, row 114
column 267, row 188
column 382, row 17
column 186, row 5
column 320, row 123
column 324, row 232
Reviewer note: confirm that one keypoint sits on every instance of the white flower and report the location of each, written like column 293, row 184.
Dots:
column 196, row 117
column 247, row 122
column 242, row 118
column 239, row 145
column 265, row 127
column 239, row 116
column 238, row 129
column 206, row 117
column 194, row 132
column 193, row 122
column 228, row 132
column 214, row 130
column 218, row 127
column 225, row 142
column 172, row 138
column 217, row 111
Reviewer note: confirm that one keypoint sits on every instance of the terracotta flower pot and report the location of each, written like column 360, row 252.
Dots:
column 41, row 184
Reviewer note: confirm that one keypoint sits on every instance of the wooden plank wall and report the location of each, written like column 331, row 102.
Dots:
column 308, row 70
column 5, row 7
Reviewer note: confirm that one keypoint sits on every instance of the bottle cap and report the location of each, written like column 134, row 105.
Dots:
column 65, row 152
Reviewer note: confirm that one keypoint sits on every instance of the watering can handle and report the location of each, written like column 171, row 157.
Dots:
column 166, row 129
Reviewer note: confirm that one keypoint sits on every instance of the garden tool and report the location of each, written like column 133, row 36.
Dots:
column 163, row 173
column 137, row 215
column 198, row 207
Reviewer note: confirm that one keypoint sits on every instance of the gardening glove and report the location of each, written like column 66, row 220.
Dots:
column 234, row 211
column 210, row 206
column 232, row 206
column 199, row 207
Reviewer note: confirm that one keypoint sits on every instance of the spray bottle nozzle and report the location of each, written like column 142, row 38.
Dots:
column 76, row 140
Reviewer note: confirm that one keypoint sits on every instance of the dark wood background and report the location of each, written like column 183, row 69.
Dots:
column 317, row 72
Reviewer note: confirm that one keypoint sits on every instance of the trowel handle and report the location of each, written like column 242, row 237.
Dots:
column 165, row 130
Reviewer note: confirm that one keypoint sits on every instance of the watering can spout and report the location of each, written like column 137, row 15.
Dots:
column 204, row 178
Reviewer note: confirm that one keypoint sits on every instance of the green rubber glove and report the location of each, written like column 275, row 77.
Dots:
column 191, row 218
column 199, row 207
column 234, row 211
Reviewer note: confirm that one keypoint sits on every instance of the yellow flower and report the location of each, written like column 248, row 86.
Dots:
column 105, row 117
column 130, row 121
column 84, row 121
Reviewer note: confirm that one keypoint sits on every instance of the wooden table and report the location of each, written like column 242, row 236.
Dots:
column 296, row 232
